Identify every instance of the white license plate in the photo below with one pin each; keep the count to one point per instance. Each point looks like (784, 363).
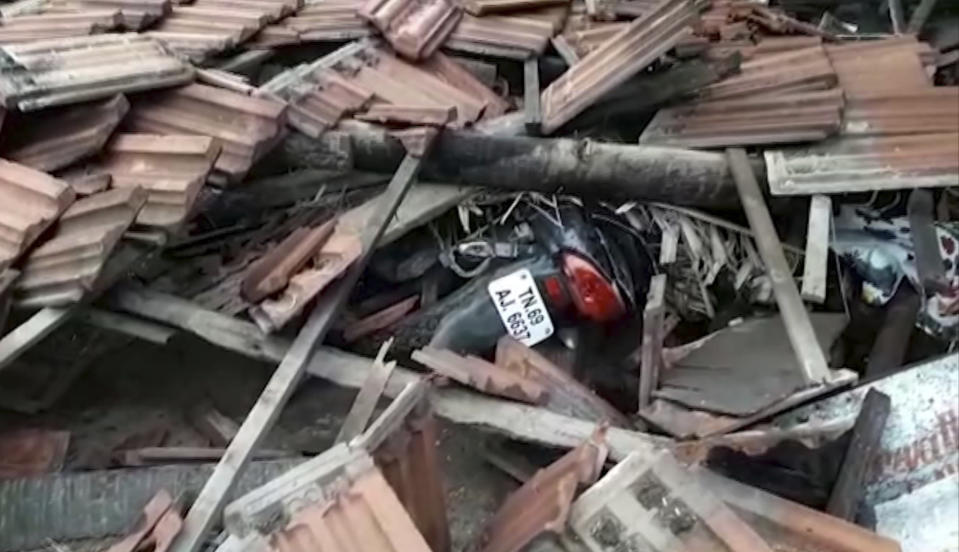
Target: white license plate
(521, 307)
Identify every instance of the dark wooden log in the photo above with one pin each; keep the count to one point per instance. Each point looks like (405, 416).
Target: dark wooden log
(866, 435)
(590, 169)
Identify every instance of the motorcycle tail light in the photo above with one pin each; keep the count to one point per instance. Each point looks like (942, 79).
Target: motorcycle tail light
(558, 298)
(595, 297)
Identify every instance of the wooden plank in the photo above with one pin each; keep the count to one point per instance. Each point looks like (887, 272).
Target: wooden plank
(130, 325)
(817, 249)
(862, 452)
(897, 16)
(801, 334)
(362, 409)
(522, 422)
(7, 277)
(651, 356)
(565, 50)
(533, 112)
(210, 502)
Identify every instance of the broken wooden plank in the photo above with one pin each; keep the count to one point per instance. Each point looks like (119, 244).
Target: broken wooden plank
(812, 362)
(215, 426)
(208, 505)
(130, 325)
(379, 320)
(362, 409)
(271, 272)
(817, 249)
(651, 357)
(517, 421)
(925, 244)
(152, 513)
(860, 456)
(532, 109)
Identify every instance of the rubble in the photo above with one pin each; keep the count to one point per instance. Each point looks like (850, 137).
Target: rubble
(540, 216)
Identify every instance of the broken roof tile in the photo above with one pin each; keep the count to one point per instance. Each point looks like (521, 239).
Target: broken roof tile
(86, 180)
(542, 504)
(324, 91)
(566, 395)
(806, 69)
(134, 14)
(771, 119)
(71, 70)
(486, 7)
(333, 259)
(247, 127)
(615, 61)
(206, 27)
(55, 138)
(516, 35)
(654, 504)
(930, 110)
(30, 201)
(365, 516)
(30, 28)
(330, 20)
(871, 67)
(271, 272)
(415, 28)
(64, 268)
(32, 452)
(379, 320)
(479, 374)
(860, 164)
(410, 463)
(408, 114)
(172, 169)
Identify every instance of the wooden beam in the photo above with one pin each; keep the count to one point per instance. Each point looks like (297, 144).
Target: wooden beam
(651, 356)
(815, 266)
(862, 451)
(130, 325)
(919, 16)
(365, 403)
(258, 422)
(798, 327)
(516, 421)
(531, 96)
(896, 16)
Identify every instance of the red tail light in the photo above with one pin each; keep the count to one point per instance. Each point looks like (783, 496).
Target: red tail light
(595, 297)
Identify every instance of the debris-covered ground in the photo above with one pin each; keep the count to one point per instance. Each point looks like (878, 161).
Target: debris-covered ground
(479, 276)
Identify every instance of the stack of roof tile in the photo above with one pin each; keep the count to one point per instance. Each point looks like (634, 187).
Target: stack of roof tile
(615, 61)
(134, 14)
(318, 21)
(323, 92)
(29, 202)
(52, 139)
(898, 130)
(246, 127)
(29, 28)
(70, 70)
(516, 35)
(206, 27)
(65, 267)
(584, 34)
(172, 169)
(486, 7)
(776, 98)
(415, 28)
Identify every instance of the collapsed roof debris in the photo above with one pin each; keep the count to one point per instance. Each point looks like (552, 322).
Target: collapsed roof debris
(660, 241)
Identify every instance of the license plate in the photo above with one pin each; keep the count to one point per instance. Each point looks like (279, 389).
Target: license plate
(521, 307)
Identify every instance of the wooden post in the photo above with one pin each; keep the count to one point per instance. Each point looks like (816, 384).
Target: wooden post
(897, 17)
(531, 96)
(258, 422)
(863, 448)
(652, 349)
(919, 16)
(925, 244)
(801, 334)
(817, 249)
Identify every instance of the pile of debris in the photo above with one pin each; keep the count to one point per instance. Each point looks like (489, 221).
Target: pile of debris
(709, 248)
